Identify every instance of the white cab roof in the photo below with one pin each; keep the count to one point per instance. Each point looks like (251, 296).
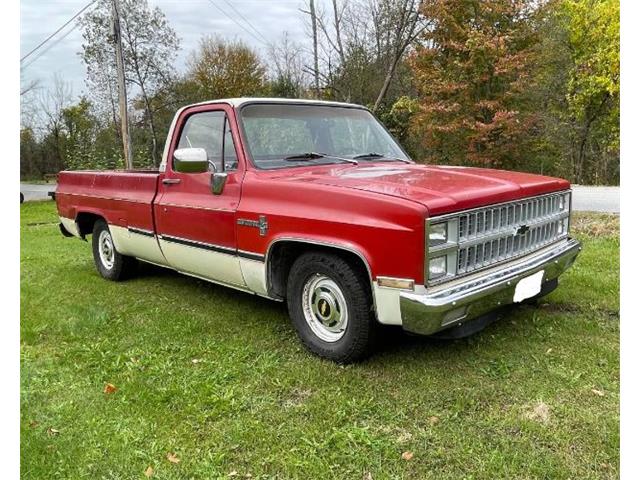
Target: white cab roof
(238, 102)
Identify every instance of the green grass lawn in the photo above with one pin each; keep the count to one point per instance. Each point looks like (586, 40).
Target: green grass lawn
(218, 379)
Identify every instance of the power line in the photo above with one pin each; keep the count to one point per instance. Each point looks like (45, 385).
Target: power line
(237, 23)
(246, 21)
(40, 54)
(59, 29)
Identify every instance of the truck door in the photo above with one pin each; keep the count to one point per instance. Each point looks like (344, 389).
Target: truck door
(196, 228)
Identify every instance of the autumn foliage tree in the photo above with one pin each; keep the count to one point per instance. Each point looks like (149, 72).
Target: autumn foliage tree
(593, 89)
(471, 71)
(220, 69)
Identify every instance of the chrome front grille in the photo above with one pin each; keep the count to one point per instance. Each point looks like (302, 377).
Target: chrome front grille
(493, 219)
(485, 237)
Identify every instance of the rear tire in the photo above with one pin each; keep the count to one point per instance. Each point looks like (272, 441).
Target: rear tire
(330, 307)
(109, 263)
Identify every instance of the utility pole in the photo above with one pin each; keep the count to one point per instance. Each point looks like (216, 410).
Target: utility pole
(122, 89)
(314, 29)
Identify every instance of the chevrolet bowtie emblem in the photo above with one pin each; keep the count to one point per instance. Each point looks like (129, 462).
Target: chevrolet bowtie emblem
(521, 230)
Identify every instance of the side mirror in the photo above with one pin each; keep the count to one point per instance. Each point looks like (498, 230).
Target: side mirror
(190, 160)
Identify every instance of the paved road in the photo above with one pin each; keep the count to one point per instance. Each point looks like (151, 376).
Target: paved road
(36, 192)
(596, 199)
(585, 199)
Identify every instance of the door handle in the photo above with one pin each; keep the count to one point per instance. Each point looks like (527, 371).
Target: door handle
(170, 181)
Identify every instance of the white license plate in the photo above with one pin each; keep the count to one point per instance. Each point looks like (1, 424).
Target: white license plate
(528, 287)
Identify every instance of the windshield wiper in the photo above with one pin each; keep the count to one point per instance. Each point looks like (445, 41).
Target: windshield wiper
(315, 155)
(379, 155)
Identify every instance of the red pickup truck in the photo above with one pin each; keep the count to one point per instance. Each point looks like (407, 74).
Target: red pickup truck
(314, 203)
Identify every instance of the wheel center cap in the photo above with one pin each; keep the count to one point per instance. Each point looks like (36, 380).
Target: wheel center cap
(324, 308)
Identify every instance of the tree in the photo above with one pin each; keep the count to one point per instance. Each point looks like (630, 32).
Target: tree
(472, 71)
(401, 22)
(220, 69)
(575, 91)
(362, 47)
(80, 129)
(593, 90)
(28, 87)
(53, 102)
(150, 47)
(29, 154)
(287, 68)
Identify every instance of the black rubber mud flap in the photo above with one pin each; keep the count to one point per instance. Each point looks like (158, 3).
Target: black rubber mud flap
(64, 231)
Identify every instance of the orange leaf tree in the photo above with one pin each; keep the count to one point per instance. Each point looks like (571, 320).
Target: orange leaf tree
(471, 71)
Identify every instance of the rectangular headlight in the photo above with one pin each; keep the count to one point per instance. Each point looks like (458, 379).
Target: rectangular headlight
(437, 234)
(437, 267)
(565, 201)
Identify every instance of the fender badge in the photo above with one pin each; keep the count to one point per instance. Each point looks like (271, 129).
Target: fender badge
(260, 224)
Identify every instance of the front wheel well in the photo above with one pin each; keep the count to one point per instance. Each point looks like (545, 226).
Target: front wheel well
(282, 254)
(85, 222)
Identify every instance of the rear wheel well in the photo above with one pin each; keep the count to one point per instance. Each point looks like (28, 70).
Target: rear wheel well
(86, 221)
(282, 255)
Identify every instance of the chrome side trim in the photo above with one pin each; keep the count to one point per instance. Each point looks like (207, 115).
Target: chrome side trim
(196, 207)
(321, 243)
(103, 197)
(197, 244)
(141, 231)
(251, 255)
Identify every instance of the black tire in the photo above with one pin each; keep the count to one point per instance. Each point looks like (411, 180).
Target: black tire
(21, 197)
(121, 267)
(359, 335)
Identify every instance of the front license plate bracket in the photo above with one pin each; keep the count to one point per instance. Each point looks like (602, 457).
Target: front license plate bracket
(528, 287)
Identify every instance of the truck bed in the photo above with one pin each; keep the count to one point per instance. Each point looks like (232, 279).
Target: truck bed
(123, 197)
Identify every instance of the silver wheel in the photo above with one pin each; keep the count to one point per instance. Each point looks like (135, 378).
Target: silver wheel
(325, 308)
(106, 250)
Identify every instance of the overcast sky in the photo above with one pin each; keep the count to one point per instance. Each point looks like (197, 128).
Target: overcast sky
(190, 19)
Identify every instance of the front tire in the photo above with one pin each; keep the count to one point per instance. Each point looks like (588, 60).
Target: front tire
(330, 304)
(109, 263)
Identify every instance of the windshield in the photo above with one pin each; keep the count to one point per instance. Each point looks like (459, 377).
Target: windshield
(284, 135)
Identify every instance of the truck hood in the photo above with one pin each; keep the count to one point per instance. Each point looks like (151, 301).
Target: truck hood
(442, 189)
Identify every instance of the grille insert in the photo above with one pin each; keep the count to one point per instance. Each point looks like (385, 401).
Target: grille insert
(485, 237)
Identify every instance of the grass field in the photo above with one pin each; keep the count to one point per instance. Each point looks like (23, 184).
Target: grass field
(213, 383)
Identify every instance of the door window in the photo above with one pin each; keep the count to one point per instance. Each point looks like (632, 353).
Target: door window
(211, 131)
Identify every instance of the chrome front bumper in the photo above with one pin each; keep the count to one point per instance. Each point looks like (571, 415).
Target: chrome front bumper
(452, 305)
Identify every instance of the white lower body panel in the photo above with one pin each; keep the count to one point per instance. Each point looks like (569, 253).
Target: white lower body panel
(144, 247)
(216, 266)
